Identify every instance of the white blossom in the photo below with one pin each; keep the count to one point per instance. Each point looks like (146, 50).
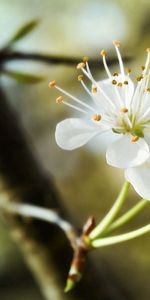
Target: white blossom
(116, 106)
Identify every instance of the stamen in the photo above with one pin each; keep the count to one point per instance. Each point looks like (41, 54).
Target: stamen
(126, 82)
(147, 61)
(147, 80)
(86, 88)
(114, 82)
(80, 77)
(89, 75)
(128, 70)
(104, 54)
(81, 65)
(75, 107)
(134, 138)
(128, 120)
(143, 116)
(89, 71)
(117, 45)
(94, 89)
(85, 59)
(142, 68)
(59, 99)
(96, 117)
(74, 98)
(137, 96)
(52, 84)
(139, 78)
(145, 105)
(118, 94)
(124, 110)
(115, 74)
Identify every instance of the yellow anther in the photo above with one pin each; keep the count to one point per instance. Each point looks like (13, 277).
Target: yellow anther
(124, 110)
(126, 82)
(96, 117)
(148, 49)
(134, 138)
(85, 59)
(81, 65)
(128, 70)
(148, 90)
(94, 89)
(138, 78)
(59, 99)
(115, 74)
(52, 83)
(80, 77)
(117, 43)
(114, 82)
(119, 84)
(103, 53)
(143, 68)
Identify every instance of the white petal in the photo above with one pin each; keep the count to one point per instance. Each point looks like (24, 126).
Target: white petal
(125, 92)
(73, 133)
(147, 136)
(126, 154)
(139, 177)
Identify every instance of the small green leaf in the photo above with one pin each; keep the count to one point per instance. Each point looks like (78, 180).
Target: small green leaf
(24, 77)
(24, 30)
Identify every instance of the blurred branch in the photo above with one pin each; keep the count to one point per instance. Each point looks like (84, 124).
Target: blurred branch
(8, 55)
(45, 247)
(40, 213)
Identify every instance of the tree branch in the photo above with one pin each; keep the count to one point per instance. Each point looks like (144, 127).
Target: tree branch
(44, 246)
(9, 55)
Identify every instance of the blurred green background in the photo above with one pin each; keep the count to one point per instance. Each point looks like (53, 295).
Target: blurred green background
(88, 186)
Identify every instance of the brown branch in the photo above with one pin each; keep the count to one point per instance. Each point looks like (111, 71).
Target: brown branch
(8, 55)
(44, 246)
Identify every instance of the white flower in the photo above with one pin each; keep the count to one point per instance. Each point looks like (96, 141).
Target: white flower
(116, 106)
(139, 176)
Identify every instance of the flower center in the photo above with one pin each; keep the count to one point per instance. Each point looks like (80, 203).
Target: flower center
(127, 124)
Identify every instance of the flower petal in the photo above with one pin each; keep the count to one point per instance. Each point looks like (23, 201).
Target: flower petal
(147, 136)
(139, 177)
(125, 92)
(73, 133)
(126, 154)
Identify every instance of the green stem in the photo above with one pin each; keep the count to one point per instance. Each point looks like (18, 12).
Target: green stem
(111, 214)
(120, 238)
(127, 216)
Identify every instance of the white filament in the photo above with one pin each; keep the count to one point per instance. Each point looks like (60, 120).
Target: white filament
(74, 98)
(120, 61)
(75, 107)
(106, 67)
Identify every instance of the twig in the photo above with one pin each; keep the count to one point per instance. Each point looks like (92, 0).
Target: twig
(44, 246)
(43, 214)
(52, 59)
